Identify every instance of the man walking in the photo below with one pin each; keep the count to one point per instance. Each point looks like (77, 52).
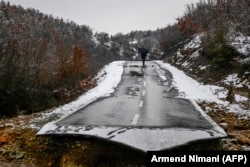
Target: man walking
(143, 51)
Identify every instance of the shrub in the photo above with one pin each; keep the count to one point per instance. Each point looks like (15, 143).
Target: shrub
(217, 51)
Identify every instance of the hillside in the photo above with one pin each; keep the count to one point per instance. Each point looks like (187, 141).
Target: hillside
(213, 47)
(233, 112)
(190, 57)
(46, 61)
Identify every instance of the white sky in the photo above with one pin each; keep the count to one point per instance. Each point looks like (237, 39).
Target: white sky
(113, 16)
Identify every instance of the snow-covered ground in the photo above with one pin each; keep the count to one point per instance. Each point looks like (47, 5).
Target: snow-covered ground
(213, 93)
(195, 42)
(236, 81)
(242, 44)
(194, 90)
(110, 76)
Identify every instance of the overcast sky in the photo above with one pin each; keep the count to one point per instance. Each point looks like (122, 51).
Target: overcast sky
(113, 16)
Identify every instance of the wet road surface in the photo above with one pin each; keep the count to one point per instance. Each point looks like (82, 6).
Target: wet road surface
(144, 112)
(142, 99)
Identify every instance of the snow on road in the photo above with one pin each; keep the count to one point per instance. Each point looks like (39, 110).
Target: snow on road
(110, 76)
(191, 89)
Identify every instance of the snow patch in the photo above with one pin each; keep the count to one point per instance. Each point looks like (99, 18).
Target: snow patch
(191, 89)
(195, 42)
(236, 81)
(242, 44)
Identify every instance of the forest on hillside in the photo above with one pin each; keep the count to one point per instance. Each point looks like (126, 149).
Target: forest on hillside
(45, 61)
(220, 22)
(209, 16)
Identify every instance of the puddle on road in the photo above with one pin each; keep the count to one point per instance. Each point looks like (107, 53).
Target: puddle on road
(133, 90)
(136, 74)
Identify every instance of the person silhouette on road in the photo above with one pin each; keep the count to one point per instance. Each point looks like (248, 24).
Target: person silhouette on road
(143, 51)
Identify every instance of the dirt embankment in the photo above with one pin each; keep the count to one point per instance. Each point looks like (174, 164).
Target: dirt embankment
(21, 147)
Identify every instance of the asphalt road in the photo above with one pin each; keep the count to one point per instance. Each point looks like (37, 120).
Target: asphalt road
(144, 113)
(143, 100)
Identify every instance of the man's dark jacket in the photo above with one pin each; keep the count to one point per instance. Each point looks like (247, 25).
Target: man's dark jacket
(143, 51)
